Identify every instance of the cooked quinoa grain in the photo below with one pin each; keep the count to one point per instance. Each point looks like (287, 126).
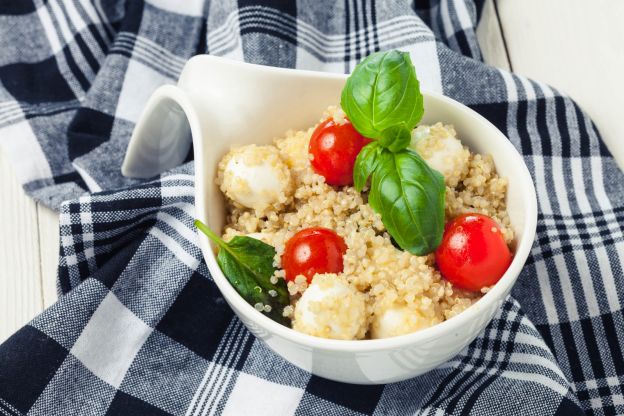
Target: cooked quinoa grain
(382, 291)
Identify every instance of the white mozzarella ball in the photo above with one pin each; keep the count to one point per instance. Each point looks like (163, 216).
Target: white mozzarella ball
(331, 308)
(255, 177)
(442, 151)
(397, 320)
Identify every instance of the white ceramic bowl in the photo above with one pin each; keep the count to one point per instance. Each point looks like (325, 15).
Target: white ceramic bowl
(220, 103)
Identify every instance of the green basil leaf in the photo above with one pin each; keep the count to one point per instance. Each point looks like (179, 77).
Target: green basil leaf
(383, 93)
(247, 263)
(396, 138)
(365, 164)
(409, 196)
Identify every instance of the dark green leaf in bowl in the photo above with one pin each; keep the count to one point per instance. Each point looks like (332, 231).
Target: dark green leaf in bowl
(247, 263)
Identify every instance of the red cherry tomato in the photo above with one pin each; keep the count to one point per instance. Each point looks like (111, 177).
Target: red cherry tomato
(334, 148)
(473, 253)
(311, 251)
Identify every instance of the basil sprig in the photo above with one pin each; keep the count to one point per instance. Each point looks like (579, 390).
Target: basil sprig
(382, 98)
(247, 263)
(383, 102)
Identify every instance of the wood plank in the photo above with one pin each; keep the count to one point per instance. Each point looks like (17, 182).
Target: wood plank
(49, 251)
(21, 293)
(576, 47)
(491, 39)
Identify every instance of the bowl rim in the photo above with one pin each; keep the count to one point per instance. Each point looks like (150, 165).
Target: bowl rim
(495, 294)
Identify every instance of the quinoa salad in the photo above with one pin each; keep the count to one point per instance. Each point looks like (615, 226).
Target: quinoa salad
(339, 264)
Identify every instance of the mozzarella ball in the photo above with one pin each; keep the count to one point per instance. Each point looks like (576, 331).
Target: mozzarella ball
(398, 320)
(440, 148)
(331, 308)
(255, 177)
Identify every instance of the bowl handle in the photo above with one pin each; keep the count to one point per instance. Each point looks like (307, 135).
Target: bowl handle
(161, 139)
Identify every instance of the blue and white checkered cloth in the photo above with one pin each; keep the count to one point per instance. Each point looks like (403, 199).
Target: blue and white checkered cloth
(140, 327)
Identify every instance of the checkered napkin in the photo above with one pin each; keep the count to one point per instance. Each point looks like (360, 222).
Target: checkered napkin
(140, 327)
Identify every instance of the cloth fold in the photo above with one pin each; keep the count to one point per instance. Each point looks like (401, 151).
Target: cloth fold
(140, 328)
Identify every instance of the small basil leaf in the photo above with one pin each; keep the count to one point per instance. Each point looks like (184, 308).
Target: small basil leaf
(396, 138)
(409, 196)
(365, 164)
(247, 263)
(383, 92)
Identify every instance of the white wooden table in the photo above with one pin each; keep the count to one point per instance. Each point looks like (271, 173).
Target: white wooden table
(570, 44)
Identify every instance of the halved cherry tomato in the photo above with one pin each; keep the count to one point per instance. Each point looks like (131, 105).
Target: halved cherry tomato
(334, 148)
(312, 251)
(473, 253)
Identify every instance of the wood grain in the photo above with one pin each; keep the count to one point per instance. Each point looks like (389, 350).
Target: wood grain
(490, 37)
(49, 252)
(577, 47)
(21, 292)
